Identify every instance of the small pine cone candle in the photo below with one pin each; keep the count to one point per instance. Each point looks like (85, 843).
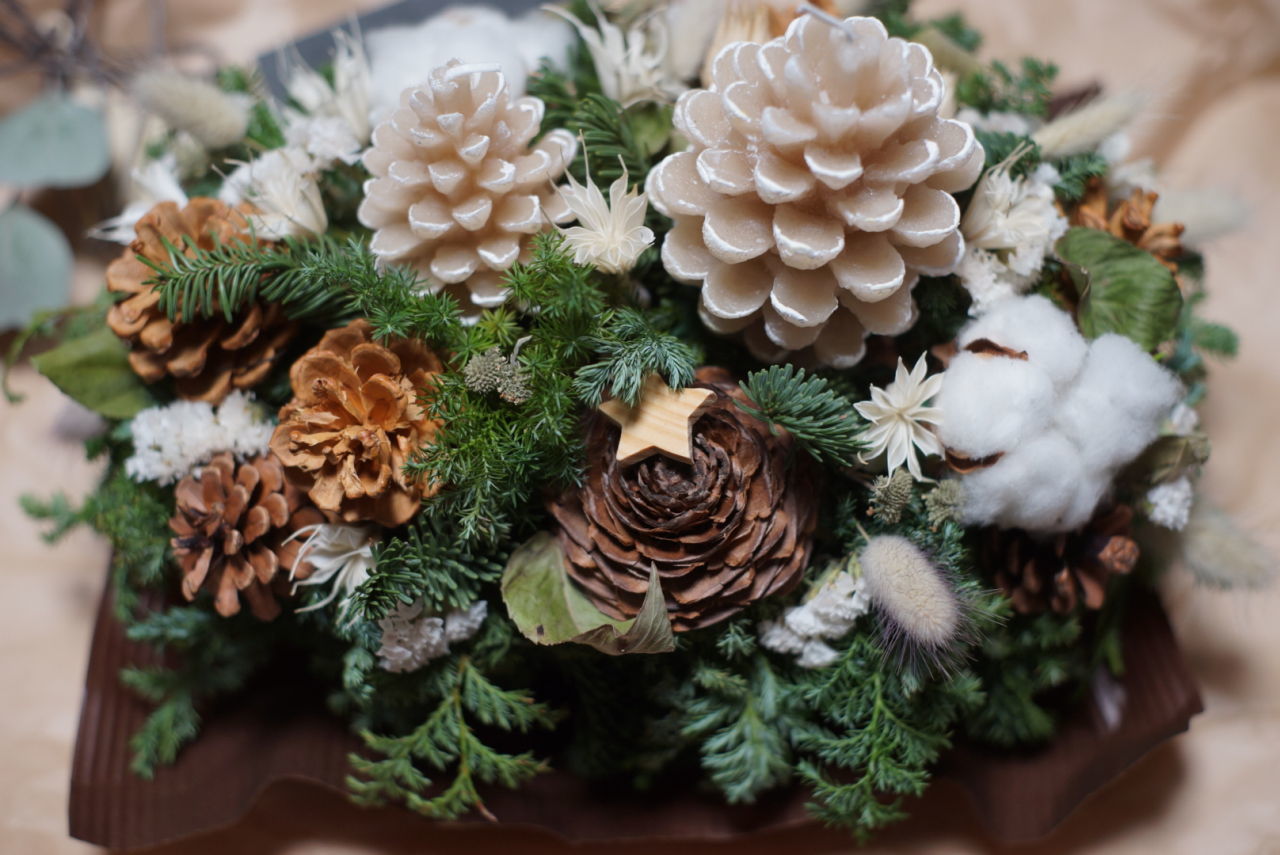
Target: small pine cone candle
(723, 532)
(457, 190)
(354, 421)
(816, 188)
(207, 357)
(230, 528)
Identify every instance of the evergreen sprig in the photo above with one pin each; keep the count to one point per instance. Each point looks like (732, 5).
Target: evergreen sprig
(1000, 88)
(822, 421)
(1075, 173)
(629, 349)
(311, 279)
(448, 738)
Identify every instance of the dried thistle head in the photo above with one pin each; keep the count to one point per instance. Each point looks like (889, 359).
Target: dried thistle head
(943, 503)
(890, 495)
(485, 371)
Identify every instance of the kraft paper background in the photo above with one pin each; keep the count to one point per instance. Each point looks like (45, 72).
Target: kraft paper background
(1213, 69)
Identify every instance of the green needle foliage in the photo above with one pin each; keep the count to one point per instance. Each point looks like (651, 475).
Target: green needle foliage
(1001, 88)
(448, 739)
(822, 421)
(631, 349)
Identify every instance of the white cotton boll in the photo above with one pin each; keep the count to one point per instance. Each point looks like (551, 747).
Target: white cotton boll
(1033, 486)
(1037, 327)
(817, 654)
(462, 624)
(991, 404)
(1118, 402)
(775, 635)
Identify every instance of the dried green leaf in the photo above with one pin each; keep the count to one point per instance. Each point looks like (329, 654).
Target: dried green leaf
(94, 370)
(35, 266)
(53, 142)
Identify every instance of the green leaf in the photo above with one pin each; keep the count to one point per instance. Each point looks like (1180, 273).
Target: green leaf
(35, 265)
(53, 142)
(1122, 288)
(1169, 457)
(94, 370)
(549, 609)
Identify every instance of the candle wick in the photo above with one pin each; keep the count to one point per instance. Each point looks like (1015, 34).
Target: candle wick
(826, 18)
(471, 68)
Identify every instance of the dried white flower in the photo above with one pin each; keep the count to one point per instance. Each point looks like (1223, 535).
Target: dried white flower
(411, 639)
(632, 64)
(996, 121)
(1170, 504)
(333, 123)
(1009, 227)
(1183, 419)
(829, 613)
(170, 441)
(155, 182)
(326, 138)
(1086, 128)
(338, 554)
(610, 235)
(899, 418)
(282, 186)
(216, 119)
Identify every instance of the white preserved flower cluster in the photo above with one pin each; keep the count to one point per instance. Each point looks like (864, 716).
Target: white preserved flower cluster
(828, 614)
(172, 440)
(283, 187)
(1170, 504)
(1046, 418)
(411, 639)
(632, 64)
(156, 182)
(341, 555)
(334, 120)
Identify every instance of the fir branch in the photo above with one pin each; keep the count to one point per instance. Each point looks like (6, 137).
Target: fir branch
(428, 563)
(448, 739)
(1002, 89)
(631, 349)
(1075, 173)
(311, 279)
(822, 422)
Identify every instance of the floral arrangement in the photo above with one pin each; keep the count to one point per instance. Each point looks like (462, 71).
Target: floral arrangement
(775, 394)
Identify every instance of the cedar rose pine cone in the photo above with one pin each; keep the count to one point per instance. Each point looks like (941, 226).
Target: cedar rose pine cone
(815, 189)
(724, 532)
(230, 526)
(353, 422)
(207, 357)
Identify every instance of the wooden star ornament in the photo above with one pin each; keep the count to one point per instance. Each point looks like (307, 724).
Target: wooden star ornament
(662, 423)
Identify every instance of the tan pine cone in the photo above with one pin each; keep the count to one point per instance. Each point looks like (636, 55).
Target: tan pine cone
(230, 525)
(815, 189)
(724, 532)
(1130, 220)
(207, 357)
(354, 421)
(1065, 570)
(457, 189)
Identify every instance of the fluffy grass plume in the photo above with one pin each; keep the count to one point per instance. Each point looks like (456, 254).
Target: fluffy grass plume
(924, 618)
(1084, 129)
(215, 118)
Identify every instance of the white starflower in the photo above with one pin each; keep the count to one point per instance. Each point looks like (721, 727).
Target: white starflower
(282, 186)
(610, 235)
(338, 554)
(153, 183)
(1170, 504)
(632, 65)
(899, 418)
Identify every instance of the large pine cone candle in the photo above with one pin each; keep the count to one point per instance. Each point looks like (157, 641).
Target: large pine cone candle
(207, 357)
(816, 188)
(354, 421)
(229, 531)
(457, 189)
(731, 528)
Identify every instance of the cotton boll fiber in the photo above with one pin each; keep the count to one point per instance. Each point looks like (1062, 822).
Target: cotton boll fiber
(1032, 325)
(1035, 487)
(992, 403)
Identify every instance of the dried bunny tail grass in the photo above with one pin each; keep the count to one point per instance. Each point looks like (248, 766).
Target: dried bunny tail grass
(216, 119)
(1084, 129)
(1204, 214)
(926, 620)
(1219, 554)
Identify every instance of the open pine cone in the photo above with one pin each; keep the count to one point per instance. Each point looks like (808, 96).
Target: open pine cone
(353, 422)
(816, 188)
(1130, 220)
(207, 357)
(456, 189)
(724, 532)
(230, 526)
(1064, 570)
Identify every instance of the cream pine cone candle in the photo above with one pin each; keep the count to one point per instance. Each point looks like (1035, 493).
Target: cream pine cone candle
(457, 190)
(816, 188)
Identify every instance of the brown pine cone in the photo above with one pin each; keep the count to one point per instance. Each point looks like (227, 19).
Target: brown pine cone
(354, 420)
(1065, 570)
(230, 525)
(207, 357)
(1130, 220)
(724, 532)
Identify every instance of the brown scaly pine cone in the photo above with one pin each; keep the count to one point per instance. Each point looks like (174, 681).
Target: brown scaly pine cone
(230, 528)
(724, 532)
(1062, 571)
(354, 421)
(1130, 221)
(207, 357)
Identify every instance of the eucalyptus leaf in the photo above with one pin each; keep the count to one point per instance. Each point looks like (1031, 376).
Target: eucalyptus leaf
(35, 266)
(94, 370)
(1123, 289)
(548, 608)
(53, 142)
(1170, 457)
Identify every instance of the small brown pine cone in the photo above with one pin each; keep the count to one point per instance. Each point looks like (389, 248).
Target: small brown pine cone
(354, 421)
(724, 532)
(230, 526)
(1064, 571)
(207, 357)
(1130, 220)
